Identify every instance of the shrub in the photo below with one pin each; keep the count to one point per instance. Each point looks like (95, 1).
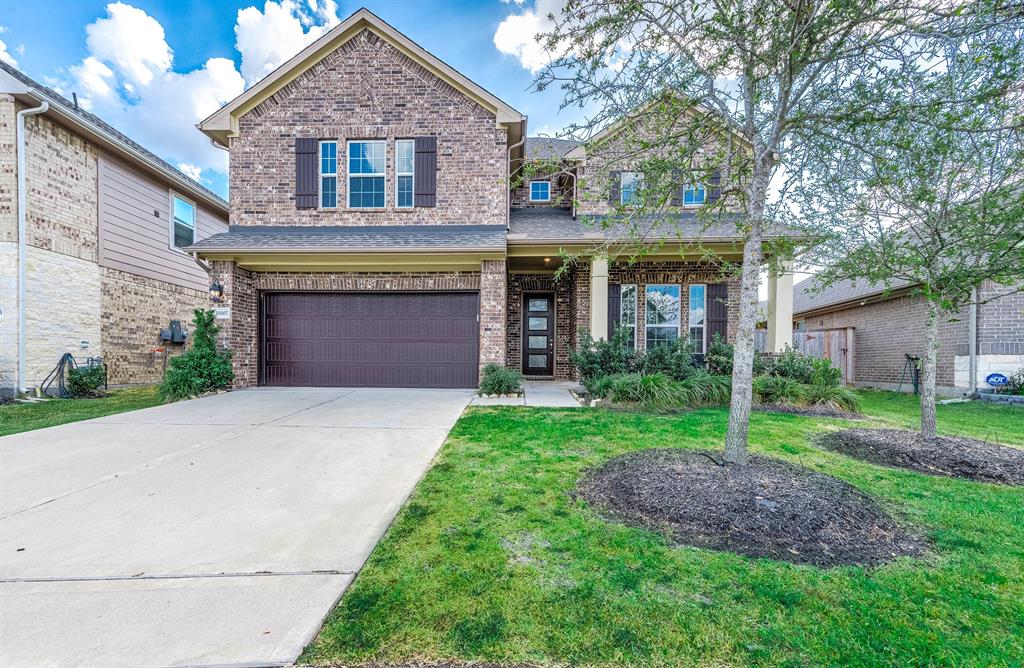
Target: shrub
(824, 373)
(778, 390)
(84, 381)
(706, 388)
(202, 367)
(791, 364)
(674, 360)
(1015, 382)
(594, 359)
(601, 387)
(835, 397)
(719, 356)
(500, 380)
(655, 391)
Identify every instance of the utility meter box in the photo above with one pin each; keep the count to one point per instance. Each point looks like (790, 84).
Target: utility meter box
(174, 334)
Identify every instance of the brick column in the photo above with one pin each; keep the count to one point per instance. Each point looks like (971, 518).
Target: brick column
(493, 310)
(599, 298)
(581, 295)
(780, 310)
(239, 331)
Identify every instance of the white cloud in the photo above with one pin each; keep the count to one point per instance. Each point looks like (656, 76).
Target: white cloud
(517, 34)
(5, 55)
(132, 40)
(191, 171)
(268, 38)
(94, 77)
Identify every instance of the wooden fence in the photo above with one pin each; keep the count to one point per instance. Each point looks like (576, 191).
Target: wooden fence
(833, 344)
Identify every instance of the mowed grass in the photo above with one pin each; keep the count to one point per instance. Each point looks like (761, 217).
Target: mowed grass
(492, 559)
(15, 418)
(976, 419)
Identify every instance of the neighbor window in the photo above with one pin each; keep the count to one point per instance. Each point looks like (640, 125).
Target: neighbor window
(540, 191)
(661, 314)
(629, 183)
(693, 195)
(405, 157)
(328, 174)
(627, 312)
(366, 174)
(698, 304)
(183, 232)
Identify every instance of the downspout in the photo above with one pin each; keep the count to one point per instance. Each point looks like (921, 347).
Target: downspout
(508, 175)
(972, 343)
(22, 231)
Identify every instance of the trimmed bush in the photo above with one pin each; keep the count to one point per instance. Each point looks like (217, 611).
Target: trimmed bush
(85, 381)
(835, 397)
(594, 359)
(778, 390)
(500, 380)
(202, 367)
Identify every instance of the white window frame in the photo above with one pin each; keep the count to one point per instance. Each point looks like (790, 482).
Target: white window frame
(636, 302)
(321, 174)
(398, 174)
(622, 186)
(679, 310)
(546, 199)
(349, 175)
(172, 195)
(695, 188)
(689, 315)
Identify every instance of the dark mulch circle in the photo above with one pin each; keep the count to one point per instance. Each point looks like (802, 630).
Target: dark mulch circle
(769, 508)
(809, 411)
(950, 456)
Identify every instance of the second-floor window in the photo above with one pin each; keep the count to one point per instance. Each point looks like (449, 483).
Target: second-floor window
(183, 230)
(693, 194)
(366, 174)
(629, 184)
(540, 191)
(328, 174)
(405, 157)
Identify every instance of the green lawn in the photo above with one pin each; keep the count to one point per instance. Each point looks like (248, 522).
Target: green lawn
(493, 560)
(16, 418)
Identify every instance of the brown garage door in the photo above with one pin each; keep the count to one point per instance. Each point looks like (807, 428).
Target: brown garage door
(393, 339)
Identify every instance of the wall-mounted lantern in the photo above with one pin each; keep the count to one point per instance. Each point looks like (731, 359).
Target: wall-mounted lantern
(216, 292)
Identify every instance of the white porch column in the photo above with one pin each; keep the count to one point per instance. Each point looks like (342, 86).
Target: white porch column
(780, 310)
(599, 298)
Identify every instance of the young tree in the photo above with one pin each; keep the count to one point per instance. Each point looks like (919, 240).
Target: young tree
(767, 78)
(933, 197)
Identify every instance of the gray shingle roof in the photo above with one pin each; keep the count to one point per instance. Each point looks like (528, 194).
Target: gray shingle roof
(551, 224)
(88, 117)
(804, 299)
(548, 148)
(366, 238)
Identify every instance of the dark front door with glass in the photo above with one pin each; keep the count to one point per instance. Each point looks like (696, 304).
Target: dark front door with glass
(538, 335)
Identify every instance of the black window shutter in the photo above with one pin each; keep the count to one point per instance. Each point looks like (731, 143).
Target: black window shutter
(715, 189)
(614, 308)
(425, 179)
(613, 195)
(677, 192)
(717, 311)
(305, 173)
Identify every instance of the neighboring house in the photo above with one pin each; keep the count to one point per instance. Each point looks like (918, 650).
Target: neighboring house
(375, 239)
(104, 268)
(886, 327)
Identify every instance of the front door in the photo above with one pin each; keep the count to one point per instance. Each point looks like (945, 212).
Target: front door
(538, 335)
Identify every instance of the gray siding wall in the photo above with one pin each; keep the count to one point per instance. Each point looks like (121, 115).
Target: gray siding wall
(134, 215)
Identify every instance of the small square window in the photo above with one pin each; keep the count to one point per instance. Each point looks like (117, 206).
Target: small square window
(693, 195)
(536, 324)
(540, 191)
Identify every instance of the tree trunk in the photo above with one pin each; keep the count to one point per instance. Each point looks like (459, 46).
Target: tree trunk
(743, 349)
(928, 372)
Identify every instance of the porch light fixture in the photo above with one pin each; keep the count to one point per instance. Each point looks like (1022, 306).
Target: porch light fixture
(216, 292)
(547, 259)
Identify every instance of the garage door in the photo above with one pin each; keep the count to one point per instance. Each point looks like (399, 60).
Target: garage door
(393, 339)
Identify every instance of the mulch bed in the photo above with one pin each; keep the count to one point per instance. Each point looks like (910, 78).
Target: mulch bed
(950, 456)
(809, 411)
(769, 508)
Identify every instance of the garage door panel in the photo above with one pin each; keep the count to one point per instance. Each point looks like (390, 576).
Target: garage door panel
(371, 339)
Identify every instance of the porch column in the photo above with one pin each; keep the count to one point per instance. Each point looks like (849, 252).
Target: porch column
(598, 298)
(780, 310)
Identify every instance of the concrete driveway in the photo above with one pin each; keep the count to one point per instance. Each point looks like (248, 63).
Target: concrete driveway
(215, 532)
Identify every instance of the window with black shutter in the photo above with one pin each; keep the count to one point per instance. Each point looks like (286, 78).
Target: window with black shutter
(305, 172)
(425, 166)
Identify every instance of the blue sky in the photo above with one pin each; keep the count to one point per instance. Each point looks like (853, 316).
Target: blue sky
(152, 68)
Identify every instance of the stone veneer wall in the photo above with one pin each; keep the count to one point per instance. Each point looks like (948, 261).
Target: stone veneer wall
(367, 89)
(678, 273)
(134, 309)
(565, 322)
(241, 294)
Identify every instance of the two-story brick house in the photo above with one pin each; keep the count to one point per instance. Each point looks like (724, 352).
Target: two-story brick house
(375, 239)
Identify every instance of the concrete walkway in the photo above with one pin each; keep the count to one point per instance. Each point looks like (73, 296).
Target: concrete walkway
(213, 532)
(545, 393)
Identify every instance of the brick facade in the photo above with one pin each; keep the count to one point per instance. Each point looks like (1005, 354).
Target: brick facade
(367, 89)
(493, 312)
(561, 191)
